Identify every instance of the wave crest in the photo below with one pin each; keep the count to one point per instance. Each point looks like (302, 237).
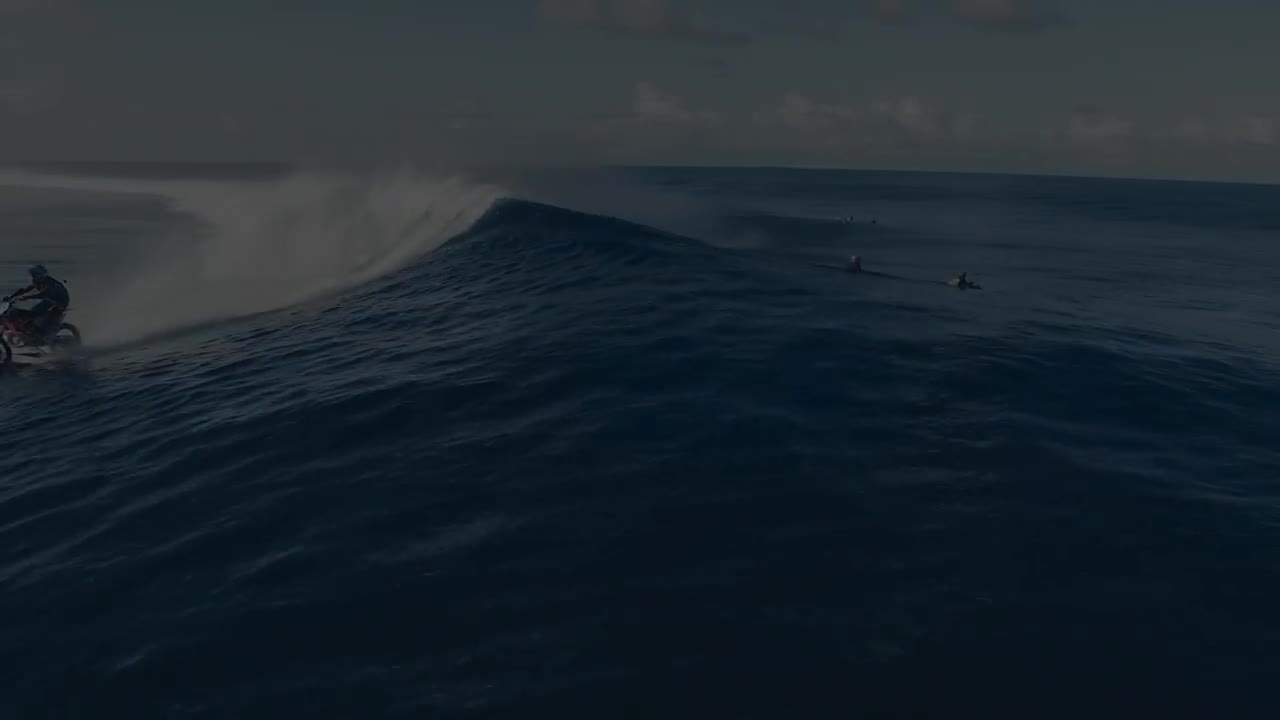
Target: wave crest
(251, 247)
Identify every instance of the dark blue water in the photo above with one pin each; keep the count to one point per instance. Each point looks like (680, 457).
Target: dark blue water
(409, 449)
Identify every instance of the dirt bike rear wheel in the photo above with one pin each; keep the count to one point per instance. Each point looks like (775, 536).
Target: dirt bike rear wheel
(71, 341)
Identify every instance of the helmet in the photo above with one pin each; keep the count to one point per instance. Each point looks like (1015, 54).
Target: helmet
(38, 272)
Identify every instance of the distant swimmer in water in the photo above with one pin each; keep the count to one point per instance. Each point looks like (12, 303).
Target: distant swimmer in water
(962, 281)
(855, 264)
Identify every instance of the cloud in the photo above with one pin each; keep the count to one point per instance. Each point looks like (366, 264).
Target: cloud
(653, 105)
(909, 131)
(1239, 145)
(1012, 16)
(12, 8)
(658, 126)
(1004, 15)
(1259, 130)
(19, 6)
(896, 122)
(639, 17)
(33, 34)
(891, 12)
(1256, 130)
(1090, 125)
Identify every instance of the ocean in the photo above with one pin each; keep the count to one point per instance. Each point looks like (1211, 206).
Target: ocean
(628, 443)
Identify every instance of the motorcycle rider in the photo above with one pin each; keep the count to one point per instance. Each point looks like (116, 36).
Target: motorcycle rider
(54, 300)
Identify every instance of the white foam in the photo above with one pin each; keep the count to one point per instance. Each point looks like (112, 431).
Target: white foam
(267, 245)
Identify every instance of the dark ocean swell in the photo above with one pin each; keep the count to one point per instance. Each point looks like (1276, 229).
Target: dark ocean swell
(559, 464)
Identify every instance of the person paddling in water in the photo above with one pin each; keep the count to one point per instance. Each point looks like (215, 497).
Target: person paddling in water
(962, 281)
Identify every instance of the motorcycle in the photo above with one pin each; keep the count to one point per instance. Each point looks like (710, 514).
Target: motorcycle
(16, 331)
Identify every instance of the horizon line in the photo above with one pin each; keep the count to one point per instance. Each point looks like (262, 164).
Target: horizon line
(292, 166)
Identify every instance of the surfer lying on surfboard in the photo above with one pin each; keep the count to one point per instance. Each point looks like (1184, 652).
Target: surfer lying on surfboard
(963, 283)
(854, 265)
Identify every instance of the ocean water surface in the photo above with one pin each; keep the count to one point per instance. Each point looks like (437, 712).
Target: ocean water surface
(629, 443)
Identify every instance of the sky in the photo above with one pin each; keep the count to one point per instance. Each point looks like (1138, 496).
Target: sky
(1143, 88)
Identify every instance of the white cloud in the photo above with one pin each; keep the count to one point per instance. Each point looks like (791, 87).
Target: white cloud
(1095, 128)
(571, 12)
(891, 11)
(804, 114)
(913, 131)
(642, 17)
(1259, 130)
(32, 33)
(1248, 129)
(652, 104)
(1003, 15)
(909, 115)
(997, 15)
(887, 122)
(19, 6)
(30, 8)
(657, 125)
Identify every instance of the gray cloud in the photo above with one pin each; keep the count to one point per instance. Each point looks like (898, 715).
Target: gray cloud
(10, 9)
(19, 6)
(1013, 16)
(1257, 130)
(903, 129)
(652, 104)
(642, 17)
(892, 12)
(1004, 15)
(1090, 125)
(32, 34)
(908, 131)
(659, 126)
